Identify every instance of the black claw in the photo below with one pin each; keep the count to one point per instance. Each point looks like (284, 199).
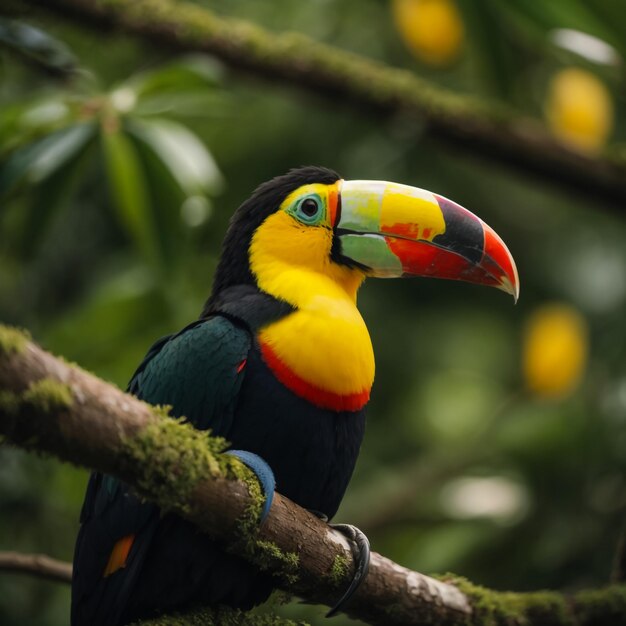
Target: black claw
(361, 554)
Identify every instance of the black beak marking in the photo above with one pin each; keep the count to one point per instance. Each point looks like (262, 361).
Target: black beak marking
(464, 233)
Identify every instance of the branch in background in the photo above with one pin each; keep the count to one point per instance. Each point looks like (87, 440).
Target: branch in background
(48, 405)
(475, 126)
(43, 566)
(38, 565)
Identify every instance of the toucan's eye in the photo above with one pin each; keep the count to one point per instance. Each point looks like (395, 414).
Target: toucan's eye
(309, 209)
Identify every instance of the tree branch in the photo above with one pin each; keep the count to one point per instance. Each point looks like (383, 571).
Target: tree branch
(42, 566)
(218, 616)
(38, 565)
(474, 126)
(50, 406)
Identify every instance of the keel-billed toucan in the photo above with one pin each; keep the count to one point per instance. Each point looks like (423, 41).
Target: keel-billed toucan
(279, 363)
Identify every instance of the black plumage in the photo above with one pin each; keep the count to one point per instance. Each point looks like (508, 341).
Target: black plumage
(234, 268)
(198, 371)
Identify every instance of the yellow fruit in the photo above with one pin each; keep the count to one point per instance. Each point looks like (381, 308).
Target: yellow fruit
(579, 109)
(432, 29)
(555, 350)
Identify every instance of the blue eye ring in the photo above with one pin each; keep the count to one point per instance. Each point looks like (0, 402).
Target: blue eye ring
(309, 209)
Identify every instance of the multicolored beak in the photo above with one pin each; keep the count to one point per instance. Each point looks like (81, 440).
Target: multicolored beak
(395, 230)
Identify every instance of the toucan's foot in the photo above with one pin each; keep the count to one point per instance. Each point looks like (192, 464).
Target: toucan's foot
(360, 546)
(264, 474)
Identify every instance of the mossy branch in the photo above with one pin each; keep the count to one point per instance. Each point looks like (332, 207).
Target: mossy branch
(222, 616)
(475, 126)
(53, 407)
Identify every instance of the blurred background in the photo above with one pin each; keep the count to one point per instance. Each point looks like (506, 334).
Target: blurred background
(496, 441)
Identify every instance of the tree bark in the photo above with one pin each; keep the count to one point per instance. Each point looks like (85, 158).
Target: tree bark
(51, 406)
(477, 127)
(38, 565)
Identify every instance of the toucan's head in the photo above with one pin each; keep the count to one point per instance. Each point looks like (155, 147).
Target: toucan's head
(349, 230)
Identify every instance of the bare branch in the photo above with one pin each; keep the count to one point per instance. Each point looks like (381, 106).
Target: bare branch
(48, 405)
(42, 566)
(38, 565)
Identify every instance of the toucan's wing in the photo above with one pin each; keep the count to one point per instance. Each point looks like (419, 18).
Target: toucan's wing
(198, 372)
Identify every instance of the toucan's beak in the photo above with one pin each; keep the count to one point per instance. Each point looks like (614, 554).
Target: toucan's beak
(396, 230)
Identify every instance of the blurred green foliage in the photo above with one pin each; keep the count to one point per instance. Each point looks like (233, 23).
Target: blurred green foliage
(112, 209)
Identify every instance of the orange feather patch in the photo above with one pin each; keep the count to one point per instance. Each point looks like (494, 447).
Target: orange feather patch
(119, 555)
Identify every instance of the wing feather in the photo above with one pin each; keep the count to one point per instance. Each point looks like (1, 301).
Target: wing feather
(198, 373)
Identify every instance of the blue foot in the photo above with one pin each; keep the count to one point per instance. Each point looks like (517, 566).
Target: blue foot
(263, 472)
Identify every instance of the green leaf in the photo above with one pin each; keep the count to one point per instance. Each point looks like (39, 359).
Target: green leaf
(189, 74)
(187, 87)
(191, 103)
(166, 199)
(50, 198)
(185, 156)
(33, 163)
(175, 88)
(28, 120)
(38, 46)
(129, 193)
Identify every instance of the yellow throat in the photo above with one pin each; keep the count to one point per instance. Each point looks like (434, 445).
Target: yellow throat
(324, 343)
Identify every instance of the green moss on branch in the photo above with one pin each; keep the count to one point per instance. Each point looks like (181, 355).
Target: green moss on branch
(475, 125)
(492, 608)
(248, 523)
(339, 570)
(12, 340)
(9, 402)
(48, 396)
(221, 616)
(173, 457)
(45, 396)
(598, 607)
(268, 556)
(601, 607)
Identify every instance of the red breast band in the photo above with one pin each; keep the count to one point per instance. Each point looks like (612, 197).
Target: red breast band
(315, 395)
